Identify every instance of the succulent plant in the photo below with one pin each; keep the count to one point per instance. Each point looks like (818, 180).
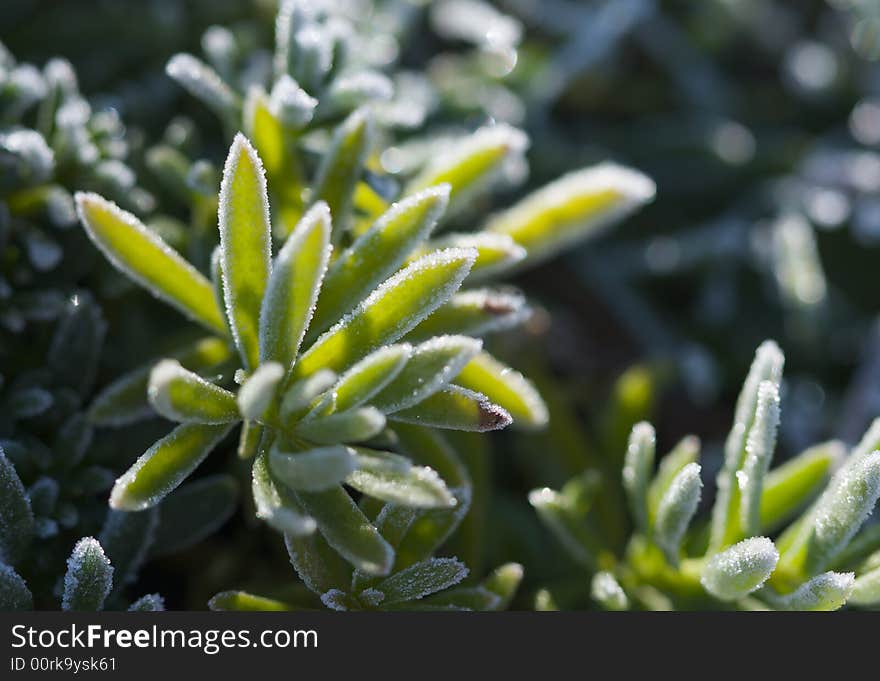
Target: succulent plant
(822, 497)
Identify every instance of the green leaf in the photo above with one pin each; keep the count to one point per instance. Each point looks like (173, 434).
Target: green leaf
(125, 399)
(256, 396)
(186, 397)
(276, 505)
(790, 486)
(767, 366)
(355, 425)
(394, 479)
(463, 598)
(366, 378)
(165, 465)
(685, 452)
(341, 168)
(505, 387)
(824, 592)
(470, 164)
(141, 255)
(676, 509)
(249, 440)
(741, 569)
(572, 208)
(456, 408)
(606, 590)
(760, 445)
(14, 593)
(193, 512)
(293, 287)
(319, 567)
(203, 83)
(432, 366)
(843, 508)
(866, 589)
(637, 469)
(313, 470)
(377, 253)
(126, 538)
(242, 601)
(422, 579)
(88, 579)
(475, 313)
(504, 581)
(302, 393)
(388, 313)
(496, 253)
(245, 243)
(568, 524)
(16, 516)
(348, 530)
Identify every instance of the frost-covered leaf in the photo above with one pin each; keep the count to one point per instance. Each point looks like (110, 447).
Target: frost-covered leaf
(504, 581)
(568, 523)
(456, 408)
(377, 253)
(126, 538)
(505, 387)
(193, 512)
(469, 164)
(88, 579)
(432, 365)
(686, 451)
(348, 530)
(475, 313)
(760, 445)
(741, 569)
(573, 208)
(463, 598)
(183, 396)
(637, 468)
(366, 378)
(319, 567)
(245, 245)
(313, 470)
(242, 601)
(843, 508)
(676, 509)
(165, 465)
(827, 591)
(16, 516)
(258, 393)
(388, 313)
(14, 593)
(496, 253)
(125, 399)
(140, 254)
(203, 83)
(394, 479)
(606, 590)
(422, 579)
(275, 504)
(341, 167)
(300, 395)
(866, 589)
(790, 486)
(292, 105)
(354, 425)
(293, 287)
(767, 366)
(148, 603)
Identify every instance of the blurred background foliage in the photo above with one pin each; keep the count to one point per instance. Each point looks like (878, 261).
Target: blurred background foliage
(760, 122)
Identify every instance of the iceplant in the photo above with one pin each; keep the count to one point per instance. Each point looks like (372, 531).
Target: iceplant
(822, 497)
